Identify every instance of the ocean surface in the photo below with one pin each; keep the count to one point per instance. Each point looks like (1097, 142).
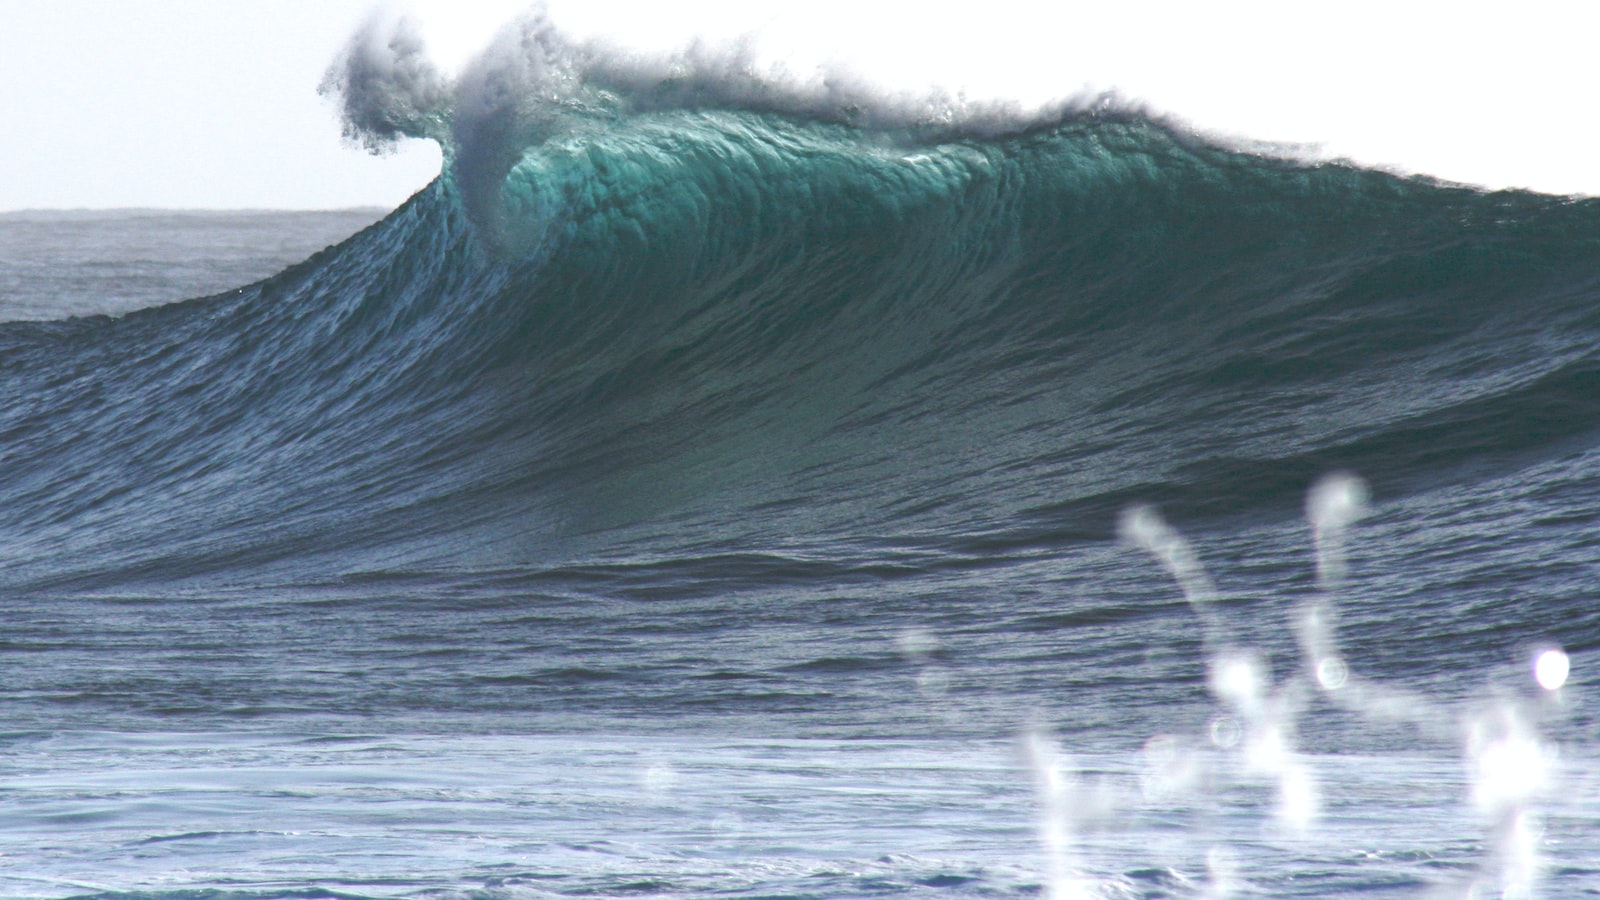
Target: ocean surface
(60, 263)
(700, 491)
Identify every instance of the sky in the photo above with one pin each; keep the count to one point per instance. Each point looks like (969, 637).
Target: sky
(207, 104)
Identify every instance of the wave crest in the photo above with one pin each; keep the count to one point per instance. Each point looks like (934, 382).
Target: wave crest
(534, 82)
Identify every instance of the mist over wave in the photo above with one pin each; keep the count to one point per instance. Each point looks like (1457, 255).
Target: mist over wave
(534, 83)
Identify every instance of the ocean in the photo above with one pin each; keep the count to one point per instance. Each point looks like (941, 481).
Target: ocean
(708, 491)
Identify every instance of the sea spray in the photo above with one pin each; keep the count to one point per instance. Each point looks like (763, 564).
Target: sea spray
(1509, 766)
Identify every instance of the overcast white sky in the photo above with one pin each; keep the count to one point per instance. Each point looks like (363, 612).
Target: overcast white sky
(204, 103)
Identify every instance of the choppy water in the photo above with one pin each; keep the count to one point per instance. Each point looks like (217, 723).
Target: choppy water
(695, 491)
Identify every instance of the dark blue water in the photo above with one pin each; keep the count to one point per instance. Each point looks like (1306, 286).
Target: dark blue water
(683, 497)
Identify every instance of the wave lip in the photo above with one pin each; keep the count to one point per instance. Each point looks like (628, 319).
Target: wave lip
(534, 82)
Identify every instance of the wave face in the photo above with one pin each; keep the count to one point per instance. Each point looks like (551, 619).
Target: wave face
(751, 331)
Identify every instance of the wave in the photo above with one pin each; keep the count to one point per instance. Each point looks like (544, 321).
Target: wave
(657, 308)
(534, 83)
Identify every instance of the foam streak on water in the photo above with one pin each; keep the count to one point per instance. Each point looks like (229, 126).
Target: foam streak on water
(392, 816)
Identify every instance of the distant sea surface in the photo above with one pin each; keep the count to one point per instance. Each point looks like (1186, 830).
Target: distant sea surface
(716, 501)
(56, 263)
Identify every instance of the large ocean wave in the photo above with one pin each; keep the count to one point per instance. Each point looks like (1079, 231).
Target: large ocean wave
(652, 305)
(782, 439)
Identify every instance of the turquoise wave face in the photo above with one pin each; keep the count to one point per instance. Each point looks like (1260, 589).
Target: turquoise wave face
(738, 327)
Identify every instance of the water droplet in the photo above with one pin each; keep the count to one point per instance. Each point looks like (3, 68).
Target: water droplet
(1550, 668)
(1336, 501)
(1224, 732)
(1332, 673)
